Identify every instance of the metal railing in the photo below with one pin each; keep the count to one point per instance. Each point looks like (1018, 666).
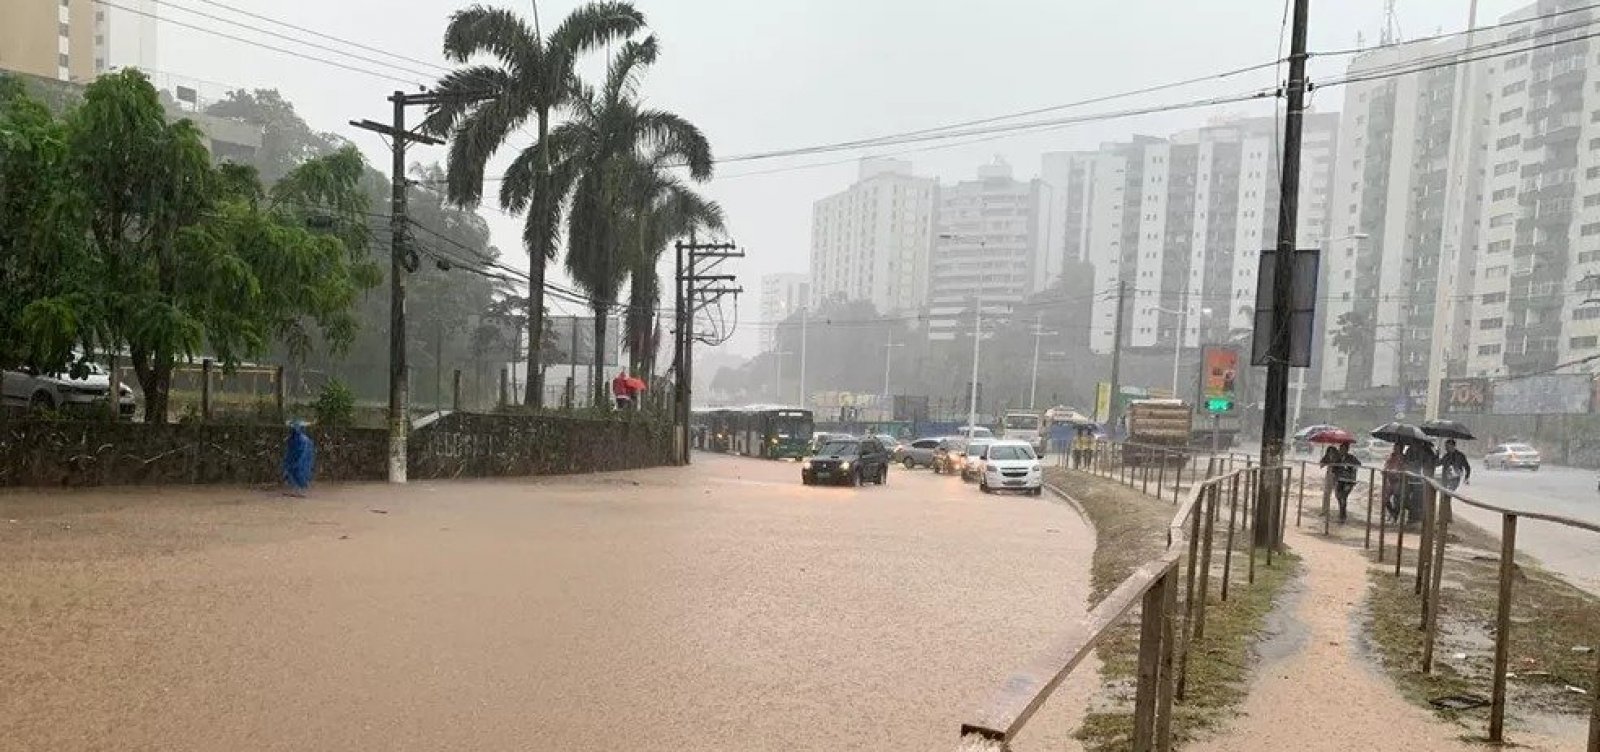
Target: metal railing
(1168, 629)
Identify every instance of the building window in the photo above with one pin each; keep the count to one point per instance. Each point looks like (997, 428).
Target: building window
(1505, 168)
(1593, 228)
(1508, 141)
(1589, 257)
(63, 30)
(1583, 343)
(1494, 297)
(1494, 323)
(1494, 272)
(1513, 88)
(1517, 62)
(1510, 115)
(1503, 194)
(1501, 220)
(1488, 349)
(1592, 199)
(1586, 314)
(63, 61)
(1499, 246)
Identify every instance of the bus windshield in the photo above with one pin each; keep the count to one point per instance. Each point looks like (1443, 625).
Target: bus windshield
(1022, 422)
(792, 424)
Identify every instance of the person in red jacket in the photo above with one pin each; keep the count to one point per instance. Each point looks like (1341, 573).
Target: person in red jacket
(620, 390)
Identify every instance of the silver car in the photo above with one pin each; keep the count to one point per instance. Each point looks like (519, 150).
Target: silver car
(1506, 456)
(916, 454)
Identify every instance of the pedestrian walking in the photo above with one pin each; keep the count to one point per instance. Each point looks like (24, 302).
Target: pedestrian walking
(621, 391)
(1393, 481)
(1454, 467)
(1421, 462)
(1342, 467)
(299, 460)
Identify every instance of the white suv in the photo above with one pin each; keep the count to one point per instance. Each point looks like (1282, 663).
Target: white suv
(62, 392)
(1011, 466)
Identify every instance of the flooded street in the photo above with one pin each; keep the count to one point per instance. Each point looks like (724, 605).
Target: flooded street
(722, 606)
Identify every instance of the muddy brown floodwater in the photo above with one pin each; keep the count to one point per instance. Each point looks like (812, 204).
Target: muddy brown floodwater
(718, 607)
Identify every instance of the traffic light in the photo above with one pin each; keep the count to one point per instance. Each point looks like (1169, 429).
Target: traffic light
(1219, 404)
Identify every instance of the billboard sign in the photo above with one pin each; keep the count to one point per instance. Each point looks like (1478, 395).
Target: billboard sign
(1102, 402)
(1302, 309)
(574, 337)
(1465, 396)
(1219, 378)
(1546, 394)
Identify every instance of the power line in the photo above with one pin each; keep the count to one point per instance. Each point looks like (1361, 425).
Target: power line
(253, 43)
(1406, 69)
(329, 37)
(1453, 34)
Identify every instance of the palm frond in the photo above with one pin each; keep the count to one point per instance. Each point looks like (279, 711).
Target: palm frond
(460, 92)
(669, 135)
(475, 140)
(622, 76)
(590, 27)
(496, 31)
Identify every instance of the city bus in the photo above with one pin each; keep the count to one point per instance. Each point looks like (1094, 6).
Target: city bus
(770, 431)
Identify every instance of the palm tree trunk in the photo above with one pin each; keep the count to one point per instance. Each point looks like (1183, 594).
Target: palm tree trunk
(598, 369)
(537, 258)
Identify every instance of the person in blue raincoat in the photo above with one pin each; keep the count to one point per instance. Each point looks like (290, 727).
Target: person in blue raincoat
(299, 459)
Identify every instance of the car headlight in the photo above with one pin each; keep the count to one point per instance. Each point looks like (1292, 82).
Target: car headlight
(124, 390)
(805, 464)
(844, 466)
(1035, 468)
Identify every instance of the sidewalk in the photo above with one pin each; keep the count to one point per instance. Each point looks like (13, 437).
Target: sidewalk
(1320, 695)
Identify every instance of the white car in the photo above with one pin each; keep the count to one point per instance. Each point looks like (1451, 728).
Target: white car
(1507, 456)
(1010, 466)
(972, 458)
(61, 392)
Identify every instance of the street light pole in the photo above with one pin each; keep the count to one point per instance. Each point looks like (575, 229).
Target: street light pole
(1038, 334)
(777, 357)
(1177, 342)
(977, 338)
(804, 314)
(888, 358)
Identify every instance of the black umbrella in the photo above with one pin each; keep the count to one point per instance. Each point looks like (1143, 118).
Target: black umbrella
(1447, 429)
(1400, 433)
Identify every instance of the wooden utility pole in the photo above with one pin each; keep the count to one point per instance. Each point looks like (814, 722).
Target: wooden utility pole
(1275, 407)
(689, 300)
(1116, 352)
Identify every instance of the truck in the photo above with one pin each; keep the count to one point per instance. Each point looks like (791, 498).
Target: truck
(1024, 425)
(1215, 431)
(1156, 426)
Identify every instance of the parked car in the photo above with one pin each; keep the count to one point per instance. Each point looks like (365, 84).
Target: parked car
(1506, 456)
(63, 393)
(972, 459)
(947, 455)
(822, 437)
(848, 462)
(1010, 466)
(1371, 451)
(974, 432)
(916, 454)
(890, 443)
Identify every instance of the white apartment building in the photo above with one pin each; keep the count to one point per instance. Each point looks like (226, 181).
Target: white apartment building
(781, 296)
(1182, 221)
(871, 241)
(1397, 215)
(993, 244)
(1541, 199)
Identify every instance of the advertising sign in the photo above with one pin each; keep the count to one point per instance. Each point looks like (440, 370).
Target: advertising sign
(1547, 394)
(1465, 396)
(1219, 376)
(1302, 309)
(1102, 402)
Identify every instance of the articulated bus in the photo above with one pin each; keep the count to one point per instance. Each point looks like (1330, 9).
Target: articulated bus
(770, 431)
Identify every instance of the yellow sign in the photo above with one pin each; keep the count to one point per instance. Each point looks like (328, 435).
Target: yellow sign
(1102, 402)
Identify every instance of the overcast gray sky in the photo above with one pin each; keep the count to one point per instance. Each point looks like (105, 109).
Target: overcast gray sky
(759, 76)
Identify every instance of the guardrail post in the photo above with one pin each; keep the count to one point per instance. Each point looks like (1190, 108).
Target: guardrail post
(1502, 630)
(1188, 597)
(1594, 710)
(1233, 518)
(206, 367)
(1283, 513)
(1209, 510)
(1169, 608)
(1145, 697)
(1425, 544)
(1400, 524)
(1383, 519)
(280, 393)
(1144, 477)
(1430, 624)
(1367, 543)
(1161, 474)
(1327, 496)
(455, 391)
(1300, 498)
(1252, 498)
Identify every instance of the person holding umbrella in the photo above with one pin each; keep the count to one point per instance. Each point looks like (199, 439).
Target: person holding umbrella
(1340, 464)
(1413, 452)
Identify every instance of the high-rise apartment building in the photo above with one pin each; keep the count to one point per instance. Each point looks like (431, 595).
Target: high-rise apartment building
(1183, 221)
(1539, 264)
(1403, 224)
(76, 40)
(993, 244)
(870, 242)
(782, 295)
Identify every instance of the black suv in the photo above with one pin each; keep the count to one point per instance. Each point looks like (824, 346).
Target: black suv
(847, 461)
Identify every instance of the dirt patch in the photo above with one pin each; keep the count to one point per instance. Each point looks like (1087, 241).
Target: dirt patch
(1131, 529)
(1554, 627)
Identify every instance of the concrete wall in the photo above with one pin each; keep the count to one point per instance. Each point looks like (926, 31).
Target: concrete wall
(94, 453)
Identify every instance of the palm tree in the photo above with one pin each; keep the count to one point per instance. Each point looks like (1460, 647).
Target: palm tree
(660, 209)
(599, 151)
(532, 78)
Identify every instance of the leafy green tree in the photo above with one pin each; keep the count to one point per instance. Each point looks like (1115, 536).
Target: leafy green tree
(599, 149)
(48, 278)
(196, 261)
(286, 139)
(531, 78)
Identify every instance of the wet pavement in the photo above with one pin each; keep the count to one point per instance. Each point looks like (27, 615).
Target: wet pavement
(718, 607)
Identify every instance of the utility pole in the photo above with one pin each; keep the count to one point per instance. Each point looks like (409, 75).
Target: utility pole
(777, 359)
(690, 299)
(977, 340)
(1278, 351)
(805, 313)
(1116, 350)
(888, 357)
(402, 261)
(1038, 334)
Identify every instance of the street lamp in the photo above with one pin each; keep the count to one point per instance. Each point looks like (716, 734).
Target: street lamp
(888, 357)
(977, 329)
(1177, 343)
(777, 358)
(1038, 334)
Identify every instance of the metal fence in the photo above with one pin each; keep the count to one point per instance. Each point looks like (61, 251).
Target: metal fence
(1204, 488)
